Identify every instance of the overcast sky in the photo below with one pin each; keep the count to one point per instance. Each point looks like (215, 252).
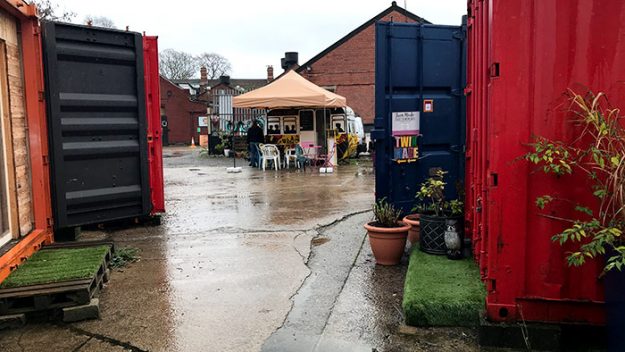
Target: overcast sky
(254, 33)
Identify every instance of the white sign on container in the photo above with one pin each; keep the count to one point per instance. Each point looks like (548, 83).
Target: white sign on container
(406, 123)
(202, 121)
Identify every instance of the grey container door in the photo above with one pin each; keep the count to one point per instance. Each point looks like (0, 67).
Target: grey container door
(96, 124)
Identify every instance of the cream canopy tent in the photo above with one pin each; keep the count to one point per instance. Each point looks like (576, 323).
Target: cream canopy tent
(289, 91)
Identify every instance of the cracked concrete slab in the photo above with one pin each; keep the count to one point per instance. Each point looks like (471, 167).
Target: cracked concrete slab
(40, 337)
(330, 263)
(95, 345)
(368, 310)
(220, 272)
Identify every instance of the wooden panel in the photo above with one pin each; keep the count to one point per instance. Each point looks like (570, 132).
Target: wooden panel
(7, 146)
(22, 201)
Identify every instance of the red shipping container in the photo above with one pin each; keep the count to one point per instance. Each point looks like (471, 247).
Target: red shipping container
(17, 251)
(523, 57)
(153, 110)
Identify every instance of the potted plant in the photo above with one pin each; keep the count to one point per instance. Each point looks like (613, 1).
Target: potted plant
(219, 148)
(441, 221)
(413, 233)
(387, 235)
(225, 145)
(596, 226)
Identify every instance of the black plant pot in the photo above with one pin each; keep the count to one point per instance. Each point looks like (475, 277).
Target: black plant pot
(432, 236)
(614, 284)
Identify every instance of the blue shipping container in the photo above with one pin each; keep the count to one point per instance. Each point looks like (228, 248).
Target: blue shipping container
(420, 112)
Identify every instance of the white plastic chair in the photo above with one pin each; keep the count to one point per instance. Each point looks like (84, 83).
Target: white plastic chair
(261, 156)
(290, 155)
(271, 153)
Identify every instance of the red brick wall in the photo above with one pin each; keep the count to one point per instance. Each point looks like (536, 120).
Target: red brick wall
(351, 68)
(182, 114)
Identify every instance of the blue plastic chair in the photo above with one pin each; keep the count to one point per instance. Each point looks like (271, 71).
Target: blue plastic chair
(301, 159)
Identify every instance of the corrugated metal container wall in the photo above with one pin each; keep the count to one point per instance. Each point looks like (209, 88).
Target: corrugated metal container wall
(524, 57)
(95, 94)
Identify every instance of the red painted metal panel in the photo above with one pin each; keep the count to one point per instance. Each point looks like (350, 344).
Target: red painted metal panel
(153, 107)
(524, 55)
(37, 138)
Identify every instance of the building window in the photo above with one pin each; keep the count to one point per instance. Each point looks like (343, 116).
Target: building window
(289, 125)
(307, 120)
(8, 204)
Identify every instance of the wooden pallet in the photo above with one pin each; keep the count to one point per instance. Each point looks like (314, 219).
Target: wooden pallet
(28, 299)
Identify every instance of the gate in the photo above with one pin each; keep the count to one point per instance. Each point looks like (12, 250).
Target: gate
(419, 109)
(97, 124)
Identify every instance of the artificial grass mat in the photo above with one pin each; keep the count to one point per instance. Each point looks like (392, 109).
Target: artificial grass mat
(442, 292)
(57, 265)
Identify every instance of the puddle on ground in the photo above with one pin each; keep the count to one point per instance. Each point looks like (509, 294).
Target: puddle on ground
(318, 241)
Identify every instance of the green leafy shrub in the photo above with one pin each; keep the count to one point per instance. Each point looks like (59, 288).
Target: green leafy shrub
(599, 153)
(385, 214)
(204, 153)
(124, 256)
(431, 196)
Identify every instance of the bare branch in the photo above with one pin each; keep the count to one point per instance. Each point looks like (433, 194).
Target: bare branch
(216, 65)
(175, 64)
(99, 21)
(48, 10)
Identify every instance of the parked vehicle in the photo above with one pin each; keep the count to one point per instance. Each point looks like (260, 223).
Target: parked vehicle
(356, 127)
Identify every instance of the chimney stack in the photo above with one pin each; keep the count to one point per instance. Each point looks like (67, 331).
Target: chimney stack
(290, 60)
(225, 80)
(203, 79)
(269, 73)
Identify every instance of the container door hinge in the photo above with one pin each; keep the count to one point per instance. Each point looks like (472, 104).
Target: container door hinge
(460, 35)
(468, 90)
(45, 159)
(42, 95)
(494, 69)
(50, 222)
(457, 92)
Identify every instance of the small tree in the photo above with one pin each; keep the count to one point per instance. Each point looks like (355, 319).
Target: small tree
(431, 195)
(99, 21)
(216, 65)
(48, 10)
(175, 64)
(598, 153)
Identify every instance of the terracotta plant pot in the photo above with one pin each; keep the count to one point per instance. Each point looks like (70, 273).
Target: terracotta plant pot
(413, 234)
(387, 244)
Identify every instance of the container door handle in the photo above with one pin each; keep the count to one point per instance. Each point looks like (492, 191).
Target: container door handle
(457, 148)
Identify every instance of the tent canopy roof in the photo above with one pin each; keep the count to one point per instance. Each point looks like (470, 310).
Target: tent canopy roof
(289, 91)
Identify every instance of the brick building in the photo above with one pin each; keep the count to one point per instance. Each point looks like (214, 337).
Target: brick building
(180, 112)
(347, 67)
(217, 94)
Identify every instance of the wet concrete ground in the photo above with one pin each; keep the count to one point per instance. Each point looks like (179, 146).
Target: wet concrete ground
(273, 261)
